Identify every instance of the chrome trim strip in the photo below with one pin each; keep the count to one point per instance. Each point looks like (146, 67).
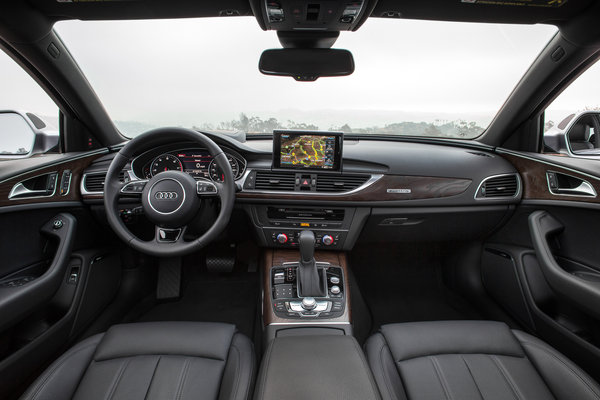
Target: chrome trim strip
(516, 195)
(19, 189)
(585, 189)
(374, 178)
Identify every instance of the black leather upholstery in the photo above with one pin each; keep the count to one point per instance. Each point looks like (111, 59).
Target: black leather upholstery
(471, 360)
(159, 360)
(315, 367)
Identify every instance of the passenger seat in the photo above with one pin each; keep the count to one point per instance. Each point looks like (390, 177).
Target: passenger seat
(471, 360)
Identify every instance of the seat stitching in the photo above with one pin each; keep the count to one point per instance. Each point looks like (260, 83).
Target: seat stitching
(581, 378)
(366, 366)
(152, 378)
(263, 379)
(472, 376)
(440, 377)
(237, 370)
(120, 373)
(506, 377)
(385, 376)
(182, 378)
(252, 366)
(55, 368)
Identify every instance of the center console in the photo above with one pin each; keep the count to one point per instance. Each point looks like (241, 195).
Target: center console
(286, 309)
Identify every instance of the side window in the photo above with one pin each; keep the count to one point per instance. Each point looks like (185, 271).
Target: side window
(28, 116)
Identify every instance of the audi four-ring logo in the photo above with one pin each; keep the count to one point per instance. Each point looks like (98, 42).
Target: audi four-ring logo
(165, 195)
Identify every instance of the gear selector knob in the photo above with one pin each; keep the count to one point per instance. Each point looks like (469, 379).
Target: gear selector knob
(306, 240)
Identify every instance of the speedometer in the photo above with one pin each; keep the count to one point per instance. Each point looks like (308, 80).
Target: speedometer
(216, 174)
(165, 162)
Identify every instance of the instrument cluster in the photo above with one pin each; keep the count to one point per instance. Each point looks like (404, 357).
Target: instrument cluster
(196, 162)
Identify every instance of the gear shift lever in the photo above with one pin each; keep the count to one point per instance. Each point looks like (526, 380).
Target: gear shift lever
(309, 280)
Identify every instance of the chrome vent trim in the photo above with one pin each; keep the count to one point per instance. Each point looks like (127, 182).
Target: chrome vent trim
(504, 186)
(93, 182)
(276, 181)
(336, 184)
(371, 179)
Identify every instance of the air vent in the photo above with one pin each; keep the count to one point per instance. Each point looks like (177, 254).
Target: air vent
(94, 182)
(500, 186)
(339, 183)
(267, 180)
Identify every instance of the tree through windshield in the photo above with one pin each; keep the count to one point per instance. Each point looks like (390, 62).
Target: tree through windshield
(417, 78)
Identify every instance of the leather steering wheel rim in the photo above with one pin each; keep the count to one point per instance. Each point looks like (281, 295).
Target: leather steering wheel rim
(112, 188)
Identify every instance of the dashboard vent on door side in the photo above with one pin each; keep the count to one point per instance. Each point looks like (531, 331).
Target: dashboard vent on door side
(339, 183)
(279, 181)
(500, 186)
(94, 182)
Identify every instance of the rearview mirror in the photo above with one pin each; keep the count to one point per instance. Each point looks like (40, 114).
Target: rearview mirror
(306, 64)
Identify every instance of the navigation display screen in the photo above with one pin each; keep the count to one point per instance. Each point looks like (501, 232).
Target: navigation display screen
(307, 150)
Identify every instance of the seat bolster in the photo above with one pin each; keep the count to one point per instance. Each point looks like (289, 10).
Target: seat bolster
(60, 380)
(384, 369)
(565, 379)
(420, 339)
(238, 377)
(192, 339)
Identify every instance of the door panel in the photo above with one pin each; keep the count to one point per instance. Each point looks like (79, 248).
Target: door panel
(59, 269)
(543, 265)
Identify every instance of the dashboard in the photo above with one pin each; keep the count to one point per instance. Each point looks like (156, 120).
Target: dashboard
(195, 161)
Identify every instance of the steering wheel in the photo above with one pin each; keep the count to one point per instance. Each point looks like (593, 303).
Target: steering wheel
(171, 199)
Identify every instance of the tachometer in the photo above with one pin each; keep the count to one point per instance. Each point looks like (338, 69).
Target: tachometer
(216, 174)
(165, 162)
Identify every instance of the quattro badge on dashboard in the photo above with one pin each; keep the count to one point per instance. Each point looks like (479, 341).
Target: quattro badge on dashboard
(401, 191)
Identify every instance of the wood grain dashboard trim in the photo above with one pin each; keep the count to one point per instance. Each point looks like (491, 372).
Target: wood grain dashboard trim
(278, 257)
(535, 184)
(77, 166)
(421, 187)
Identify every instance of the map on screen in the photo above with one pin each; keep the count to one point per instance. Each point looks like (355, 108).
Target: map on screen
(307, 151)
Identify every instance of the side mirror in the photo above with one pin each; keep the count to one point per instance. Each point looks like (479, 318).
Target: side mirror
(582, 136)
(25, 134)
(306, 64)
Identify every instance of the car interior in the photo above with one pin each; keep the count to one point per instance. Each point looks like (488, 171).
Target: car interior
(310, 261)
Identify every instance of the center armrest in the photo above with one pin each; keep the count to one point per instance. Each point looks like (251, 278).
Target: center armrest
(315, 367)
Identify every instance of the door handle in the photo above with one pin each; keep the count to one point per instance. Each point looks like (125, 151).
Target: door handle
(567, 185)
(571, 287)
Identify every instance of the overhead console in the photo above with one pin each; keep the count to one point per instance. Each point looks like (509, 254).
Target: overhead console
(329, 15)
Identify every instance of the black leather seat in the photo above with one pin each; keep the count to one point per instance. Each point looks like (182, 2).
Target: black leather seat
(157, 360)
(471, 360)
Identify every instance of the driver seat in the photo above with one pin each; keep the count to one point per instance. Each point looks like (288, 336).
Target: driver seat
(155, 360)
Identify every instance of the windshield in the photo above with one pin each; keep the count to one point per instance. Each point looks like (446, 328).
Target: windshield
(419, 78)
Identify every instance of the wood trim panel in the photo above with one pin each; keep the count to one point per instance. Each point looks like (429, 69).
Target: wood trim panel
(278, 257)
(422, 187)
(76, 166)
(535, 185)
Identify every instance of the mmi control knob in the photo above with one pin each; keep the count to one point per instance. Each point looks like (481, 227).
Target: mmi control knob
(327, 240)
(282, 238)
(309, 303)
